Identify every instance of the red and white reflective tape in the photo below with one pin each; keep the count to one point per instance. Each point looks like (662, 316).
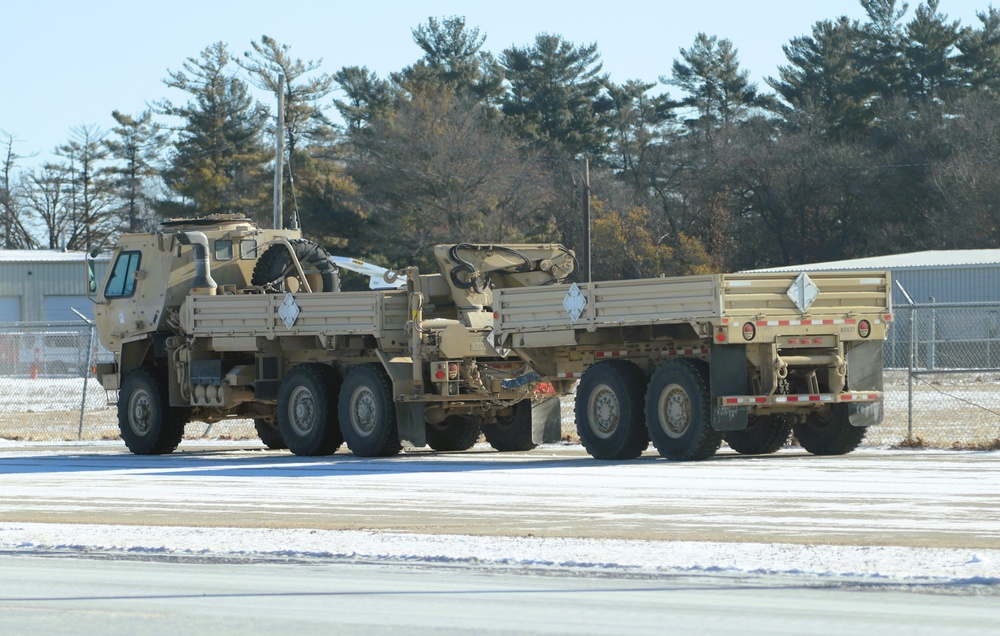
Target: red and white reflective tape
(750, 400)
(797, 323)
(572, 374)
(685, 352)
(621, 353)
(781, 399)
(859, 397)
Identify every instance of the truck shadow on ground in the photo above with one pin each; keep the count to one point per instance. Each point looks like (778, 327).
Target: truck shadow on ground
(256, 462)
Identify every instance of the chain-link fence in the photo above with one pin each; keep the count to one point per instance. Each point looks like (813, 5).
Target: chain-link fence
(942, 382)
(48, 391)
(943, 376)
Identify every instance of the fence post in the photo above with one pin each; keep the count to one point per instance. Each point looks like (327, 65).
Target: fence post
(909, 375)
(86, 370)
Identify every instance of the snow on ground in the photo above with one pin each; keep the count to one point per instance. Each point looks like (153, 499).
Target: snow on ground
(888, 563)
(918, 486)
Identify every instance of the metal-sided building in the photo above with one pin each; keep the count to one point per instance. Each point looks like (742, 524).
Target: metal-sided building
(43, 285)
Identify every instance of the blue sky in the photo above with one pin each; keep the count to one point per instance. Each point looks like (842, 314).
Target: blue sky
(69, 63)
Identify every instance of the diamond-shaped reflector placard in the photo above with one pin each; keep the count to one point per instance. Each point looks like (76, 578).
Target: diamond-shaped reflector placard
(574, 303)
(803, 292)
(289, 311)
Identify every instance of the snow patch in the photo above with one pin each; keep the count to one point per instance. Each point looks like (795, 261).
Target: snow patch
(880, 563)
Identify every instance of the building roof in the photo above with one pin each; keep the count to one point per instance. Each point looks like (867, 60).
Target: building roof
(932, 259)
(45, 256)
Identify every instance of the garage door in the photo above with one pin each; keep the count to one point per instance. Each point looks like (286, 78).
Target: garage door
(58, 308)
(10, 308)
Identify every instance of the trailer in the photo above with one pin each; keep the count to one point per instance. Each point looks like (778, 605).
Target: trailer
(688, 362)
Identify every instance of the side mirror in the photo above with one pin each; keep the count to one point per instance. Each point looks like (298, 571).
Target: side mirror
(91, 277)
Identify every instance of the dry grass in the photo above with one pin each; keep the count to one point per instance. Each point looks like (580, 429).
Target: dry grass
(914, 442)
(977, 446)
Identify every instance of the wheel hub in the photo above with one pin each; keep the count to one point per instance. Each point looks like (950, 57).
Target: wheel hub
(363, 411)
(302, 411)
(140, 411)
(605, 413)
(674, 411)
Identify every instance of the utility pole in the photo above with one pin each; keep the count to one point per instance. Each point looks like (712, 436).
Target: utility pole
(279, 154)
(586, 219)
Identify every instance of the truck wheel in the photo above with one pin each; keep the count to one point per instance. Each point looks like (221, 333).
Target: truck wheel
(678, 411)
(511, 432)
(269, 434)
(764, 434)
(148, 424)
(609, 417)
(829, 432)
(455, 433)
(275, 266)
(368, 412)
(307, 419)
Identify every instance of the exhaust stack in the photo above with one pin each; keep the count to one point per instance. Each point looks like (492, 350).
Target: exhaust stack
(202, 283)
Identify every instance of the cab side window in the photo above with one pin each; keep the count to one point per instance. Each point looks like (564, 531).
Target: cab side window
(121, 283)
(223, 250)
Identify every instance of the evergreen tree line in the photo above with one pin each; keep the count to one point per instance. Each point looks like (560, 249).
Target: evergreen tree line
(877, 136)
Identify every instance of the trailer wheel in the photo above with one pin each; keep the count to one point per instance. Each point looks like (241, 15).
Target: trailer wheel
(275, 266)
(512, 430)
(307, 419)
(609, 416)
(829, 432)
(764, 434)
(455, 433)
(368, 413)
(148, 424)
(269, 434)
(678, 411)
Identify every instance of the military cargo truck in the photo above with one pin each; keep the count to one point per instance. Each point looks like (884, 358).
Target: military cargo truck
(214, 318)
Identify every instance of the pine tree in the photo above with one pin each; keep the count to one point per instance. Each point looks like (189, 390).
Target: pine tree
(304, 118)
(218, 163)
(979, 53)
(368, 97)
(717, 88)
(136, 146)
(453, 57)
(930, 54)
(822, 85)
(557, 97)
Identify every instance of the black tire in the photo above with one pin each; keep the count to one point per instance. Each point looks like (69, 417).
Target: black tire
(275, 265)
(148, 424)
(829, 432)
(511, 432)
(764, 434)
(368, 412)
(307, 417)
(269, 434)
(455, 433)
(609, 410)
(679, 411)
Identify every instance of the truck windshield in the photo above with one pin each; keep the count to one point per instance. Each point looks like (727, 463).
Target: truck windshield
(121, 283)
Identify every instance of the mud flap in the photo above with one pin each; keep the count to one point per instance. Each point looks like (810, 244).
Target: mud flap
(864, 373)
(728, 367)
(410, 423)
(546, 421)
(865, 413)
